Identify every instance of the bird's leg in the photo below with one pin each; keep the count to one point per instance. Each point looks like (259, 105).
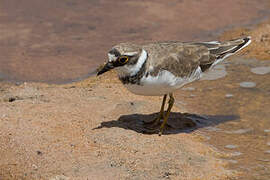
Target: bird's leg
(161, 113)
(165, 119)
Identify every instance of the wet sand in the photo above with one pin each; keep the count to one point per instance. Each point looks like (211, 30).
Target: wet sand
(239, 99)
(62, 41)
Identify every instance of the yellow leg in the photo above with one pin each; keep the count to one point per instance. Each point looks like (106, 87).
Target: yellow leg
(161, 113)
(165, 119)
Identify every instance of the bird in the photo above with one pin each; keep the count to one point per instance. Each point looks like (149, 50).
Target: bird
(160, 68)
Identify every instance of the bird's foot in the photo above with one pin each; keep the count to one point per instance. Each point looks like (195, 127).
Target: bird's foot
(156, 126)
(153, 124)
(156, 120)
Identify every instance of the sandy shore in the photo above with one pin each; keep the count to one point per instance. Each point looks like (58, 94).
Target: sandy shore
(93, 129)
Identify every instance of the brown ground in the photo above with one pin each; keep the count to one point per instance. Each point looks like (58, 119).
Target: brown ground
(94, 132)
(93, 129)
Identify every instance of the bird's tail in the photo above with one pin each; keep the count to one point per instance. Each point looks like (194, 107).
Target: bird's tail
(228, 48)
(221, 50)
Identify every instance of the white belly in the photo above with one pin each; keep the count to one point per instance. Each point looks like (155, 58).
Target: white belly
(164, 83)
(147, 90)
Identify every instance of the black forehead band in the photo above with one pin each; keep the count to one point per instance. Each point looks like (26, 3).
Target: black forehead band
(115, 52)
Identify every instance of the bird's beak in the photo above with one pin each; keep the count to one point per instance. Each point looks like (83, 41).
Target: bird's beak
(108, 66)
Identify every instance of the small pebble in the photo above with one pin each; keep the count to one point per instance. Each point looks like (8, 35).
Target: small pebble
(34, 166)
(263, 160)
(267, 130)
(268, 151)
(248, 84)
(241, 131)
(39, 152)
(60, 177)
(233, 161)
(268, 144)
(230, 146)
(228, 95)
(215, 129)
(261, 70)
(11, 99)
(207, 137)
(188, 88)
(236, 153)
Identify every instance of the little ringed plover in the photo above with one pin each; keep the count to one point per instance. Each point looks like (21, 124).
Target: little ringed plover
(158, 69)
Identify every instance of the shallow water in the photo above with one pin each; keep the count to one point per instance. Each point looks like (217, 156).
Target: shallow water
(242, 99)
(63, 41)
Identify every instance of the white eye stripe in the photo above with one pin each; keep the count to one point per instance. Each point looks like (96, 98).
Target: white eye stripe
(112, 57)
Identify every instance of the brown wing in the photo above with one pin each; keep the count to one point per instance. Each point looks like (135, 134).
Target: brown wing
(182, 60)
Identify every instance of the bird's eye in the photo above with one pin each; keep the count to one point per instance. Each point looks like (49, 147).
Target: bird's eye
(123, 59)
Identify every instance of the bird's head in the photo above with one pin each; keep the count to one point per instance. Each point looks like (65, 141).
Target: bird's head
(124, 58)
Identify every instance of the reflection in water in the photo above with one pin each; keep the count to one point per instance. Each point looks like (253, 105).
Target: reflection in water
(261, 70)
(236, 153)
(220, 72)
(230, 146)
(229, 95)
(244, 92)
(248, 84)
